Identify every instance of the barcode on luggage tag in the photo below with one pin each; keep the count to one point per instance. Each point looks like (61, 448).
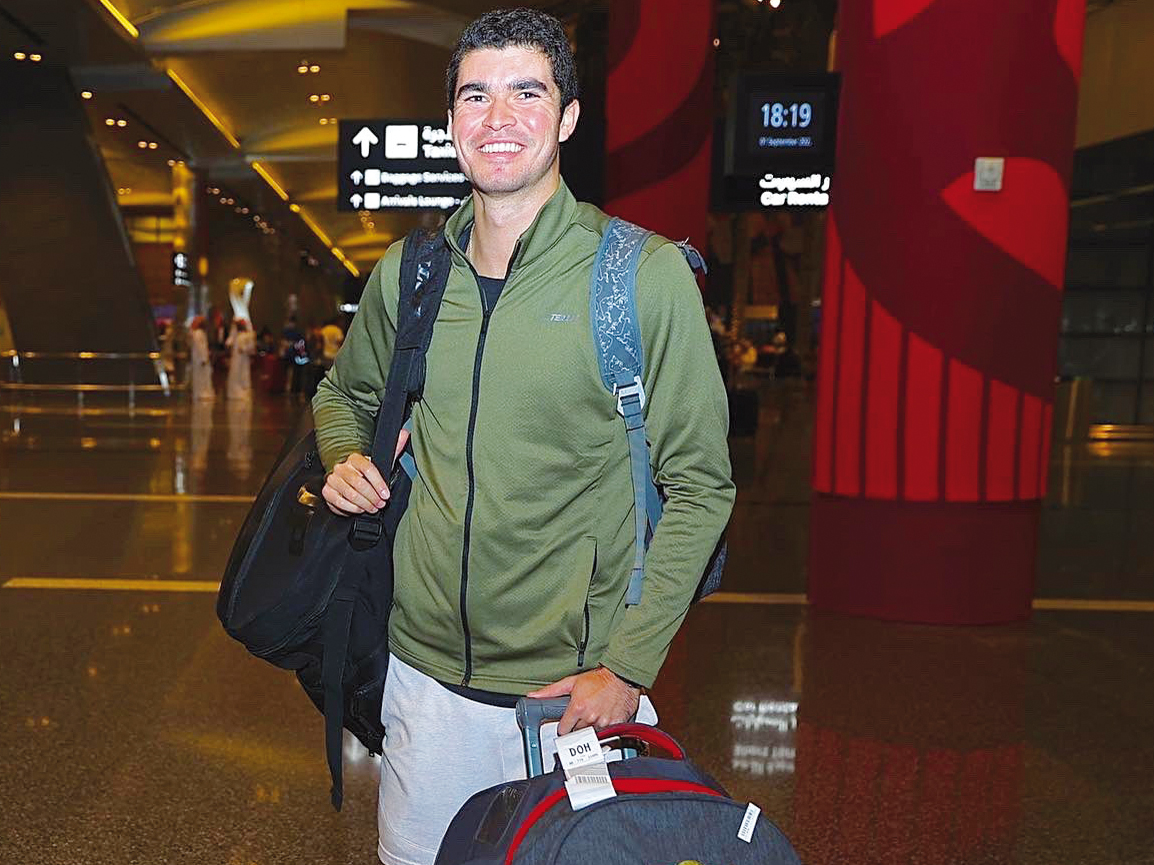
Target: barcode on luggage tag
(749, 823)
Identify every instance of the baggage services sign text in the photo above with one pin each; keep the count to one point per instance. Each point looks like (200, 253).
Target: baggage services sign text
(398, 165)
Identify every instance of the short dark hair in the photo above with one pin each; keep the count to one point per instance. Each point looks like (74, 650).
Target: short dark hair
(521, 28)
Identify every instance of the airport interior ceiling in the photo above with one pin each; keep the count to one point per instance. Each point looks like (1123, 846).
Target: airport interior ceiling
(247, 90)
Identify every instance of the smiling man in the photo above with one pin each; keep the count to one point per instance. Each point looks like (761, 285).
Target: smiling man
(513, 558)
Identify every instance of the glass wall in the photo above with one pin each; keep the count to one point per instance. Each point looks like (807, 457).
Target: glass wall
(1108, 311)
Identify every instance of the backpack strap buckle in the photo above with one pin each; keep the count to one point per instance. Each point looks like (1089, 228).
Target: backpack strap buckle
(630, 397)
(365, 533)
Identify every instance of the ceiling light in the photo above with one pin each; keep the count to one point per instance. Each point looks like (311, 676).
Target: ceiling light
(314, 68)
(325, 97)
(244, 210)
(775, 3)
(35, 58)
(85, 94)
(256, 218)
(20, 55)
(110, 121)
(302, 69)
(295, 208)
(324, 121)
(314, 98)
(236, 210)
(716, 43)
(231, 201)
(223, 200)
(121, 123)
(142, 144)
(172, 163)
(152, 145)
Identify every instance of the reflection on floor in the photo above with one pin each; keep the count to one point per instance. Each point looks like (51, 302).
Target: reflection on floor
(133, 730)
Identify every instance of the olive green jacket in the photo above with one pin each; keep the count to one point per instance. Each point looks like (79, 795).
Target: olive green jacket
(513, 558)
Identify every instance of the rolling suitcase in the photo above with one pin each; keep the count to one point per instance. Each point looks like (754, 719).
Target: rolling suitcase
(666, 810)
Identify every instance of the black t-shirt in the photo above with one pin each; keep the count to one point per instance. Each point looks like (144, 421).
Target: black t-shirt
(492, 288)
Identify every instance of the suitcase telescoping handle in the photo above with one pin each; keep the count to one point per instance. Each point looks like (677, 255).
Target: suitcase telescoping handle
(531, 714)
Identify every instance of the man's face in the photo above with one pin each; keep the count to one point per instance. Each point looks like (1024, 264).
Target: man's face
(507, 120)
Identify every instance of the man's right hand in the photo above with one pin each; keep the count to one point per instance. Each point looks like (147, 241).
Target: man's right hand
(355, 486)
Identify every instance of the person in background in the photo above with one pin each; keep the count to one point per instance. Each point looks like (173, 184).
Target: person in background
(242, 345)
(265, 343)
(332, 338)
(295, 351)
(200, 362)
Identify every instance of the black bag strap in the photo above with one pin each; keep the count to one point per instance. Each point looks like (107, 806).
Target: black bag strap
(335, 634)
(425, 263)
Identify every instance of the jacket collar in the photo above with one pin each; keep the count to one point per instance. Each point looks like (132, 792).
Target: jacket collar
(546, 230)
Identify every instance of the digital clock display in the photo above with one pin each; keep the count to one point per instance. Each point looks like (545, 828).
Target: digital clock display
(785, 122)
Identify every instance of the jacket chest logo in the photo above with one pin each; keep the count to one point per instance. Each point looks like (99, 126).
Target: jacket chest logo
(559, 318)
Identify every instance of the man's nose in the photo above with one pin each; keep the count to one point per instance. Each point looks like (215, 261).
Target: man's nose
(499, 116)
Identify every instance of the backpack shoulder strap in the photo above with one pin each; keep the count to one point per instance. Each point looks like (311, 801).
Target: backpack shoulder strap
(621, 361)
(425, 263)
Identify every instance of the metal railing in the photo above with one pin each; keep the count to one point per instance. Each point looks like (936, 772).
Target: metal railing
(15, 362)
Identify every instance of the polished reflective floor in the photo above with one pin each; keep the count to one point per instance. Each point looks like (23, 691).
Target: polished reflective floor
(134, 731)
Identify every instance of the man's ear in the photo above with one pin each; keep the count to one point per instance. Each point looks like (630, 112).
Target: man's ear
(569, 120)
(449, 114)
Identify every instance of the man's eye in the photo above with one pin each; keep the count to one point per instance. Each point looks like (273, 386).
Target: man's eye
(530, 94)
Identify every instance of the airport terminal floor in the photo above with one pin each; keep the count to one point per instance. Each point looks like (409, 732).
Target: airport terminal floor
(133, 730)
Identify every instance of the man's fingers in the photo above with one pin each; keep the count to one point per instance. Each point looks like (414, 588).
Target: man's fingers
(360, 493)
(557, 689)
(570, 721)
(373, 478)
(338, 504)
(402, 441)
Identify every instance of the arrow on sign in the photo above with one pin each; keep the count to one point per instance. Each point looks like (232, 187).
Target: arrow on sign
(365, 139)
(356, 177)
(356, 200)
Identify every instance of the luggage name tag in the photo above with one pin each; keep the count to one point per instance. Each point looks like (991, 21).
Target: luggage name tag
(586, 774)
(748, 823)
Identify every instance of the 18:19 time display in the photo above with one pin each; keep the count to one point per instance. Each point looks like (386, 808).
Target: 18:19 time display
(778, 115)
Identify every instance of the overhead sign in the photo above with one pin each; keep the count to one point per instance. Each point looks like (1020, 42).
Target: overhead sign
(181, 275)
(398, 165)
(812, 191)
(779, 133)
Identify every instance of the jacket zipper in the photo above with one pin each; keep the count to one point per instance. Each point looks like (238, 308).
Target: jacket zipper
(487, 315)
(584, 638)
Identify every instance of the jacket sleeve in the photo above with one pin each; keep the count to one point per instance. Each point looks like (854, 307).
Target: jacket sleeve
(687, 421)
(348, 398)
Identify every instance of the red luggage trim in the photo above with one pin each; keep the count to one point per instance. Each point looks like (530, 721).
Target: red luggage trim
(645, 733)
(621, 785)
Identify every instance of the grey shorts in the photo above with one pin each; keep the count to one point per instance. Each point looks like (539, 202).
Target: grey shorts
(440, 749)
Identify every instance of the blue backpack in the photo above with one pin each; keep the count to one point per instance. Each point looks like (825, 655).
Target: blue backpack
(621, 359)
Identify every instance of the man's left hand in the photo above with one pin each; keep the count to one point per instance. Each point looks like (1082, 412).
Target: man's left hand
(596, 699)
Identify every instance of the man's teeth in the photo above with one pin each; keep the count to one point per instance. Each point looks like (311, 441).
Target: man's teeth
(501, 148)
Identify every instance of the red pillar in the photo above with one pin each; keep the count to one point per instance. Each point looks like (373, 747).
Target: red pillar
(942, 304)
(659, 115)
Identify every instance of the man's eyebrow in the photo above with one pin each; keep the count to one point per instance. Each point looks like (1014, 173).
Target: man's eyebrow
(529, 84)
(472, 87)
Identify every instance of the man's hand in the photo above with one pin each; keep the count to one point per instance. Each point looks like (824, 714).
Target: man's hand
(355, 486)
(596, 699)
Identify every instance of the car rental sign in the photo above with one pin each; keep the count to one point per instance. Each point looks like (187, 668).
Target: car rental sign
(398, 165)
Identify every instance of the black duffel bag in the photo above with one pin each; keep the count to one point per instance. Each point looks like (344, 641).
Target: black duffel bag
(310, 591)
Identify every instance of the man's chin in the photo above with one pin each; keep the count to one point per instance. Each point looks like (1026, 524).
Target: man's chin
(499, 185)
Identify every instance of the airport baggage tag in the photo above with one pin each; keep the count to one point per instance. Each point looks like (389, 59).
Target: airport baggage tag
(586, 773)
(579, 748)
